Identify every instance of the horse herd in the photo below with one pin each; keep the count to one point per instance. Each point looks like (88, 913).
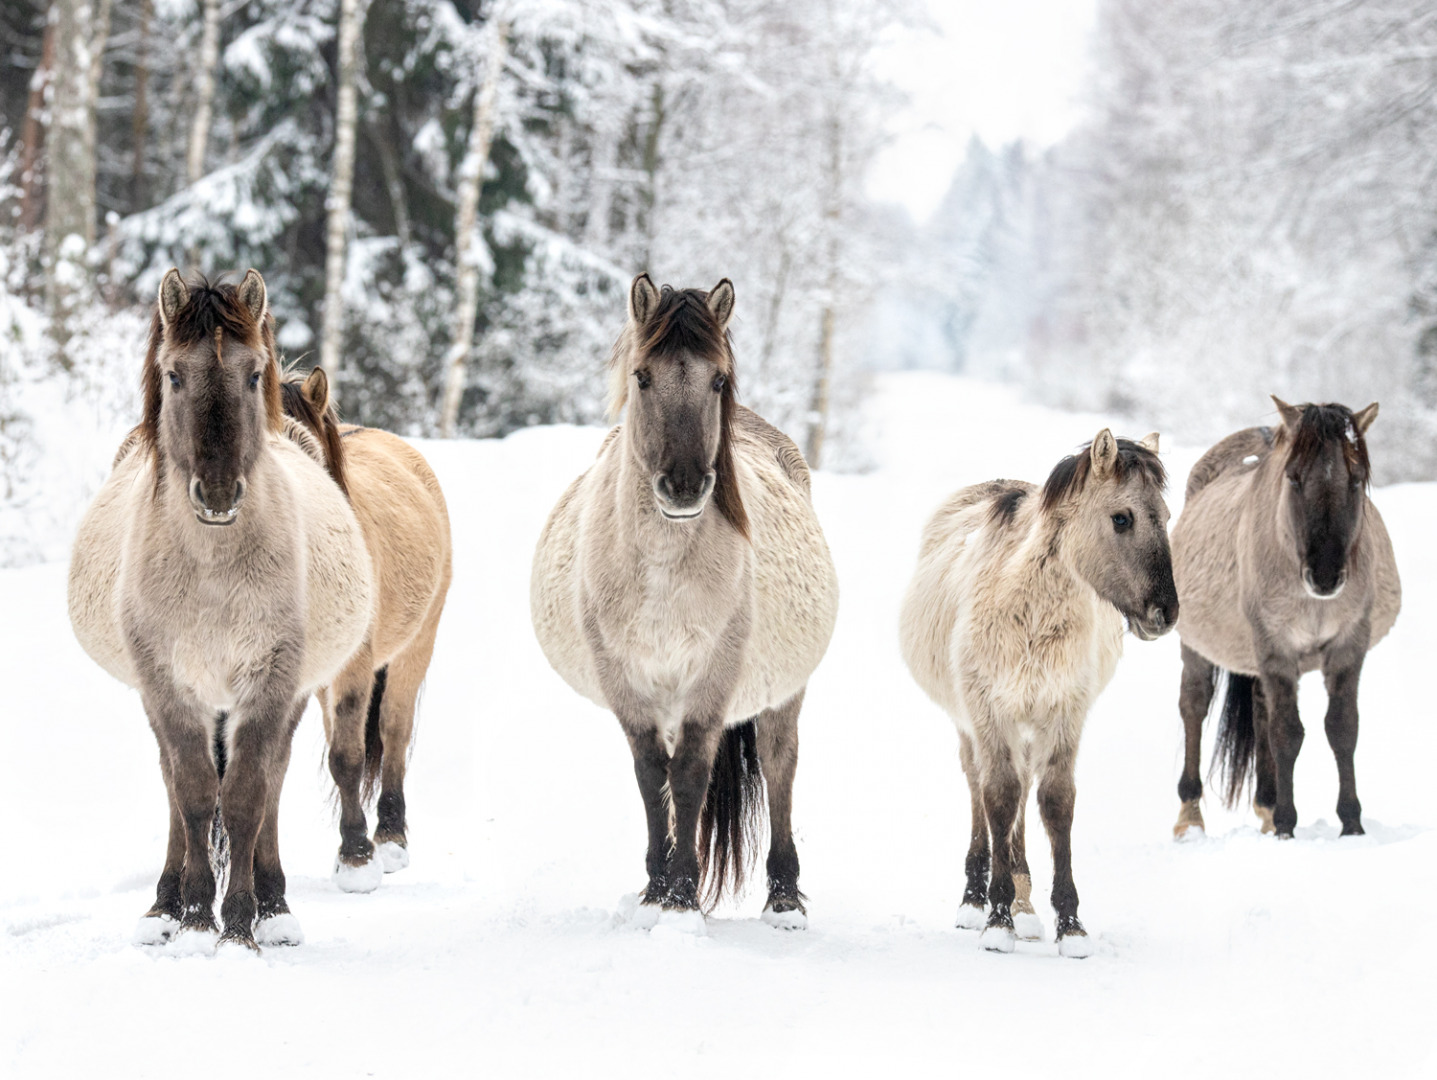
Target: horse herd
(249, 550)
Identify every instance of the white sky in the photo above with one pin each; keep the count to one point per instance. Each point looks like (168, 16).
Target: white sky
(1003, 68)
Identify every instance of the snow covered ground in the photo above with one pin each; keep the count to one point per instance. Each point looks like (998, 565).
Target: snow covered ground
(498, 953)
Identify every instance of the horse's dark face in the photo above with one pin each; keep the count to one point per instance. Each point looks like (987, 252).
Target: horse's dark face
(213, 408)
(1119, 541)
(1324, 491)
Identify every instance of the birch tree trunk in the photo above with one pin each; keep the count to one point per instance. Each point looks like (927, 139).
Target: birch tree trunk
(341, 188)
(204, 92)
(818, 409)
(471, 177)
(33, 135)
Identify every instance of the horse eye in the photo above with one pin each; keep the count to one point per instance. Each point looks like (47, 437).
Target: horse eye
(174, 380)
(254, 380)
(719, 383)
(1122, 523)
(644, 379)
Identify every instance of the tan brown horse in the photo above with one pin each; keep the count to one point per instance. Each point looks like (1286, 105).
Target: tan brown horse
(1283, 567)
(369, 708)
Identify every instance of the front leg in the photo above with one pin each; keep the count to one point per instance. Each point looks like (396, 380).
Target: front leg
(689, 772)
(1194, 701)
(972, 912)
(346, 713)
(1284, 728)
(275, 924)
(1056, 795)
(651, 770)
(1002, 794)
(1341, 671)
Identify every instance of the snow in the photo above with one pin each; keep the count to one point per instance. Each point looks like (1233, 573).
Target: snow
(503, 949)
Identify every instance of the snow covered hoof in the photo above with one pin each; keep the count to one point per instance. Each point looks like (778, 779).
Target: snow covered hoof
(155, 930)
(794, 919)
(240, 941)
(1076, 944)
(971, 917)
(392, 855)
(636, 914)
(1264, 816)
(364, 878)
(280, 929)
(1190, 824)
(1027, 926)
(999, 939)
(195, 943)
(685, 921)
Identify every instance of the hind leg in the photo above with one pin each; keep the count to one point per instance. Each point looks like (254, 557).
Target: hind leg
(972, 912)
(778, 757)
(346, 707)
(1264, 796)
(1194, 700)
(1026, 923)
(276, 925)
(402, 681)
(1056, 795)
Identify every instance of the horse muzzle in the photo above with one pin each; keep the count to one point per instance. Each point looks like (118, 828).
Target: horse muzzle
(677, 504)
(1315, 590)
(216, 504)
(1158, 620)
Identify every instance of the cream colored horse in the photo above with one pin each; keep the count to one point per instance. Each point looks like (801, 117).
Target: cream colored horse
(222, 573)
(684, 583)
(1014, 624)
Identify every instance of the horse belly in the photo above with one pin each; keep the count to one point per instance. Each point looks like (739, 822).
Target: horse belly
(94, 580)
(1205, 569)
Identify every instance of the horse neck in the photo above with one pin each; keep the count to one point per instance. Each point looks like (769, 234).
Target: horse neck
(1046, 562)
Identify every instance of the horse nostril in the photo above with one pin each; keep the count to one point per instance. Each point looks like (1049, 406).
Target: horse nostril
(664, 488)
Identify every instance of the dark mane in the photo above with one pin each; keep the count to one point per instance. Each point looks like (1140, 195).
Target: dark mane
(1071, 474)
(323, 425)
(210, 308)
(1005, 506)
(683, 325)
(1322, 425)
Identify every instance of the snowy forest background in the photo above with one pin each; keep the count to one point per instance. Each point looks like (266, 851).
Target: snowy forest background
(448, 198)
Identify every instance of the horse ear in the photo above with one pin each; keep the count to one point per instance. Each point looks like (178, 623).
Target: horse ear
(174, 295)
(1363, 420)
(720, 303)
(316, 389)
(1105, 454)
(1149, 442)
(252, 293)
(1291, 415)
(643, 299)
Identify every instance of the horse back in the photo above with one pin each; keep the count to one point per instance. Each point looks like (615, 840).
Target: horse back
(1245, 449)
(771, 441)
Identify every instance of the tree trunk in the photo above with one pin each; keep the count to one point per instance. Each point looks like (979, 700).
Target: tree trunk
(341, 187)
(80, 27)
(818, 410)
(140, 120)
(204, 92)
(32, 177)
(471, 178)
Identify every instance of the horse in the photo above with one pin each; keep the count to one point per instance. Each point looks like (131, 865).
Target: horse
(683, 582)
(1013, 623)
(222, 573)
(1284, 566)
(369, 709)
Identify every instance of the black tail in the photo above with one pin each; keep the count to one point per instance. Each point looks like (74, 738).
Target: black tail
(1232, 756)
(733, 814)
(373, 738)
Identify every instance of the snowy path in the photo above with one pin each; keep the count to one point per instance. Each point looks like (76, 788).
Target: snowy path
(497, 954)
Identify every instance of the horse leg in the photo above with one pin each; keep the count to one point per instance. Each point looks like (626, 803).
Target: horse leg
(1264, 796)
(1002, 796)
(689, 772)
(1341, 671)
(651, 769)
(778, 757)
(1279, 688)
(1194, 700)
(244, 795)
(972, 912)
(1026, 923)
(402, 680)
(1056, 794)
(346, 709)
(276, 925)
(159, 924)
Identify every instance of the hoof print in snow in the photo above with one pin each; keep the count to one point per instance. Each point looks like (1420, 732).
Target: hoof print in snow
(363, 878)
(785, 920)
(392, 856)
(999, 939)
(1077, 946)
(279, 930)
(681, 922)
(1027, 926)
(156, 930)
(971, 917)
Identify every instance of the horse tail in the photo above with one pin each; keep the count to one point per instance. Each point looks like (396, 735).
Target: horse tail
(732, 815)
(219, 835)
(1232, 757)
(373, 737)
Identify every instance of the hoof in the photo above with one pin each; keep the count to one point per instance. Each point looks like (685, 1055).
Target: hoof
(1355, 829)
(793, 919)
(392, 856)
(364, 878)
(237, 941)
(1190, 823)
(1264, 815)
(688, 922)
(971, 917)
(633, 912)
(1027, 926)
(999, 939)
(279, 930)
(156, 930)
(195, 943)
(1076, 944)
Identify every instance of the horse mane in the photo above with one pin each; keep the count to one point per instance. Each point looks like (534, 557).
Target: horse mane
(1070, 475)
(211, 308)
(323, 425)
(681, 325)
(1322, 425)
